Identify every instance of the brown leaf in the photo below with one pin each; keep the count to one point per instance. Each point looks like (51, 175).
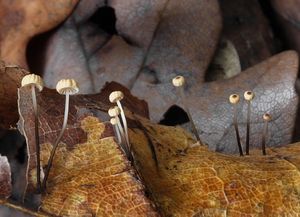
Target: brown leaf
(139, 39)
(273, 84)
(11, 77)
(21, 20)
(93, 178)
(51, 111)
(90, 175)
(206, 183)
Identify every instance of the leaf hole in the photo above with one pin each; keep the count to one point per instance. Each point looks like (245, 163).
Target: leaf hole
(175, 115)
(105, 18)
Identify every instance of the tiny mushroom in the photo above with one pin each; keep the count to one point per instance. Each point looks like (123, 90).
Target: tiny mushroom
(179, 82)
(114, 121)
(35, 82)
(234, 100)
(116, 97)
(267, 118)
(65, 87)
(114, 113)
(248, 96)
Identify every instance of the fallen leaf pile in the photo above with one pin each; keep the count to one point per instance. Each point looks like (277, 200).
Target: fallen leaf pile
(137, 46)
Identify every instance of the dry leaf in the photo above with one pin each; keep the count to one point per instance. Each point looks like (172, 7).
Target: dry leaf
(22, 19)
(137, 39)
(11, 77)
(90, 175)
(93, 178)
(199, 182)
(273, 84)
(51, 111)
(206, 183)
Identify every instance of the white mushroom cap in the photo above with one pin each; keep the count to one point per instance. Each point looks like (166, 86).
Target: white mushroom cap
(33, 79)
(114, 111)
(114, 121)
(178, 81)
(234, 98)
(65, 86)
(116, 96)
(248, 95)
(267, 117)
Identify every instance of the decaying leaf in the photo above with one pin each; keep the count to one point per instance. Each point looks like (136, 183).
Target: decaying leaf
(123, 40)
(51, 111)
(11, 77)
(198, 182)
(273, 84)
(206, 183)
(93, 178)
(21, 20)
(90, 175)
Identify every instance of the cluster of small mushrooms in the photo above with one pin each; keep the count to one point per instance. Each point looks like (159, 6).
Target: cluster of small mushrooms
(69, 87)
(65, 87)
(234, 99)
(120, 127)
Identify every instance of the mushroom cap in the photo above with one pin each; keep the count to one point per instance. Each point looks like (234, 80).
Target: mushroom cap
(178, 81)
(65, 86)
(114, 111)
(234, 98)
(116, 96)
(248, 95)
(267, 117)
(114, 121)
(33, 79)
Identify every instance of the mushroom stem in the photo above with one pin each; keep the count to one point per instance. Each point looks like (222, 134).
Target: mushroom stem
(266, 118)
(235, 123)
(194, 129)
(124, 123)
(248, 128)
(118, 134)
(37, 139)
(55, 145)
(263, 140)
(248, 96)
(35, 82)
(126, 147)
